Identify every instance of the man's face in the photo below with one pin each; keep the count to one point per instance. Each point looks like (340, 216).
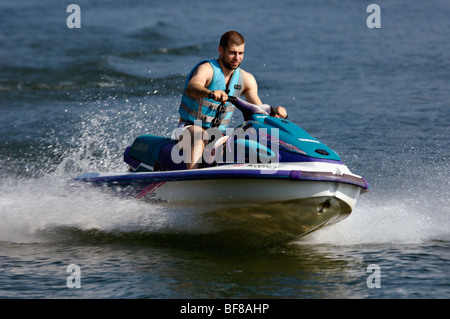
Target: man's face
(232, 56)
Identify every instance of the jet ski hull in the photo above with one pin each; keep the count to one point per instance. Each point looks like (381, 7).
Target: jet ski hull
(276, 202)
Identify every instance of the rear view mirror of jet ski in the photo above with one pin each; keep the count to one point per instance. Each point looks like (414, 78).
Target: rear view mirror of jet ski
(267, 178)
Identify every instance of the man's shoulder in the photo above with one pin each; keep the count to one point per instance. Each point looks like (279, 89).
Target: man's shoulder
(203, 68)
(245, 73)
(248, 77)
(204, 64)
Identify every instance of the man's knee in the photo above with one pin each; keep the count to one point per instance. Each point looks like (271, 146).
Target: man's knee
(195, 133)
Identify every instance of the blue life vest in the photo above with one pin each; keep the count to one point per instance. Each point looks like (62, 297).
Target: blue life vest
(210, 112)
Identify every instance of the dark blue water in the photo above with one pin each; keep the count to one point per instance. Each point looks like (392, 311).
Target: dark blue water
(71, 100)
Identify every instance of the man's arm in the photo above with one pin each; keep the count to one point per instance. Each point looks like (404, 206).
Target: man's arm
(251, 89)
(251, 95)
(197, 86)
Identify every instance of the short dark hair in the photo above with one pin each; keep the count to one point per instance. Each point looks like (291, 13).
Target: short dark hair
(231, 38)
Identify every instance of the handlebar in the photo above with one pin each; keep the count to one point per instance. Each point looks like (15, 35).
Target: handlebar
(232, 99)
(248, 108)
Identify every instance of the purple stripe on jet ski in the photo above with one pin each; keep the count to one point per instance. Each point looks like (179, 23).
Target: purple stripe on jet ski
(286, 157)
(329, 177)
(199, 174)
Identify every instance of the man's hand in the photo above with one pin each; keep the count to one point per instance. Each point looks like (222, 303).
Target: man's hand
(218, 95)
(281, 112)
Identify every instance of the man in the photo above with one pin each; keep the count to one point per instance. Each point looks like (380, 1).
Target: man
(206, 94)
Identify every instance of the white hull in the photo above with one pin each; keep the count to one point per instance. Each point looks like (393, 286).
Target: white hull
(265, 205)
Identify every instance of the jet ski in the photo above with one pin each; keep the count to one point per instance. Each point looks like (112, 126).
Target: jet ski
(266, 178)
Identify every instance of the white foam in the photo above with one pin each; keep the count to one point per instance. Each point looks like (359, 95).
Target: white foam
(31, 209)
(395, 218)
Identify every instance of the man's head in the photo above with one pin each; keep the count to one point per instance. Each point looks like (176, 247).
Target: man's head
(231, 49)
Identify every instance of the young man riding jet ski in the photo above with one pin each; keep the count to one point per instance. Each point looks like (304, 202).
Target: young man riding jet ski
(206, 93)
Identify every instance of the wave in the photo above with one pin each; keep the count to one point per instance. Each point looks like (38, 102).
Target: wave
(414, 212)
(158, 32)
(93, 79)
(77, 76)
(152, 56)
(50, 210)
